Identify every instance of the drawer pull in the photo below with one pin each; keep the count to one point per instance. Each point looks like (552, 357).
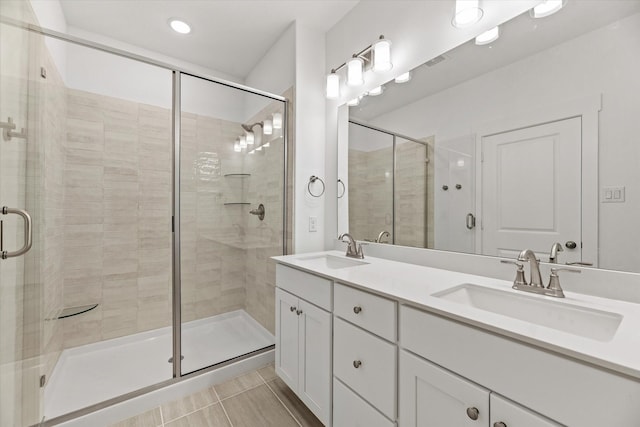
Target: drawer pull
(299, 312)
(292, 309)
(357, 309)
(499, 424)
(473, 413)
(357, 364)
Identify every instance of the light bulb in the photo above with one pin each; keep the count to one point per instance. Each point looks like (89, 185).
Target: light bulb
(403, 78)
(355, 72)
(179, 26)
(467, 13)
(277, 121)
(250, 138)
(382, 55)
(488, 36)
(243, 142)
(267, 127)
(333, 85)
(548, 7)
(375, 91)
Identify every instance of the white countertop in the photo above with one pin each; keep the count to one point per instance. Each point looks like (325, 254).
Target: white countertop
(414, 285)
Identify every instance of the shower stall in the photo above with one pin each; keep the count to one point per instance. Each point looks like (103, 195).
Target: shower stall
(152, 200)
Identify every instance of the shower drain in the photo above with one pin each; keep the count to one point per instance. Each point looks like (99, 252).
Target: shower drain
(171, 359)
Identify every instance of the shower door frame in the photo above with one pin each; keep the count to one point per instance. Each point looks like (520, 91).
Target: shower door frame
(176, 111)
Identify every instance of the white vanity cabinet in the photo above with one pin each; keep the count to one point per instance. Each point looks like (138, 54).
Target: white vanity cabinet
(303, 338)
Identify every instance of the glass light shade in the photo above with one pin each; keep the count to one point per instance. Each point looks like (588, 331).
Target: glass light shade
(333, 86)
(375, 91)
(382, 56)
(179, 26)
(243, 142)
(353, 102)
(250, 138)
(488, 36)
(267, 127)
(355, 68)
(237, 148)
(467, 13)
(277, 121)
(403, 78)
(549, 7)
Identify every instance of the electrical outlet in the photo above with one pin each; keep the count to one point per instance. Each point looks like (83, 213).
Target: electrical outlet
(612, 195)
(313, 224)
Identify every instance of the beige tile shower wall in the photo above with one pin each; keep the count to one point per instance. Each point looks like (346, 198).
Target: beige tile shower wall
(117, 246)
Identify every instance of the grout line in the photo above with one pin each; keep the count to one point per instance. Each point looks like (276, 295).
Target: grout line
(222, 406)
(282, 403)
(161, 416)
(236, 394)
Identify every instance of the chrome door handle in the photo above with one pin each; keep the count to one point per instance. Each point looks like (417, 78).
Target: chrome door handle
(27, 233)
(473, 413)
(571, 244)
(471, 221)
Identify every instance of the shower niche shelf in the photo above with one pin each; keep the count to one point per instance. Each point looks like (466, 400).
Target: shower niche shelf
(236, 203)
(74, 311)
(237, 175)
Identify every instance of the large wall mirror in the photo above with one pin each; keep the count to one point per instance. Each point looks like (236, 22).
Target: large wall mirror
(529, 140)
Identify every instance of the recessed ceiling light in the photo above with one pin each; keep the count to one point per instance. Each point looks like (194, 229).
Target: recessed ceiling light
(179, 26)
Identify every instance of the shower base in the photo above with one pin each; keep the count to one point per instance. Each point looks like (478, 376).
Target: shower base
(93, 373)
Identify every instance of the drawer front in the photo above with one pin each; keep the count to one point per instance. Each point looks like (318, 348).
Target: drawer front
(511, 414)
(367, 364)
(371, 312)
(315, 289)
(349, 410)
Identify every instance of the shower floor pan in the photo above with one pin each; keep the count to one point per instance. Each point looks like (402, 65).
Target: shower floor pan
(93, 373)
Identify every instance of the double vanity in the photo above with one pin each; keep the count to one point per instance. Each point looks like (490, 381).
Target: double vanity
(373, 342)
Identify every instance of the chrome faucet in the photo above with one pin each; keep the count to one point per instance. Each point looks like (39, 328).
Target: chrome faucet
(534, 264)
(553, 255)
(354, 250)
(382, 235)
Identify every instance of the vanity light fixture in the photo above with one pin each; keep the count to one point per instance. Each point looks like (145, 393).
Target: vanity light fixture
(277, 121)
(354, 102)
(259, 148)
(267, 127)
(242, 142)
(403, 78)
(546, 8)
(488, 36)
(467, 13)
(250, 138)
(179, 26)
(376, 91)
(377, 55)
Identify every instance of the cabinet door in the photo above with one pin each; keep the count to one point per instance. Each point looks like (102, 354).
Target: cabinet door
(315, 360)
(433, 397)
(513, 415)
(287, 358)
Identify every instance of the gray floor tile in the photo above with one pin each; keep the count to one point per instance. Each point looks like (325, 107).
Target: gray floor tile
(268, 372)
(238, 384)
(258, 407)
(147, 419)
(294, 404)
(185, 405)
(211, 416)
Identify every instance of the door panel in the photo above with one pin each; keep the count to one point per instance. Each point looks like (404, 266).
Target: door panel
(287, 338)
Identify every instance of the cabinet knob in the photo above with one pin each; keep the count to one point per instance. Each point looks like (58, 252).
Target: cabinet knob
(499, 424)
(357, 364)
(357, 309)
(292, 309)
(473, 413)
(299, 312)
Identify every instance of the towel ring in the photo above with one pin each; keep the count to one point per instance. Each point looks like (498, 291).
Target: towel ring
(312, 180)
(344, 188)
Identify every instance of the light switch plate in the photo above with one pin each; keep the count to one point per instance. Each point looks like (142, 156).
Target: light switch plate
(612, 195)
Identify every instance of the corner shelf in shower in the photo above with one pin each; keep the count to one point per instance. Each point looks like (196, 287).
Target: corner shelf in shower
(237, 203)
(74, 311)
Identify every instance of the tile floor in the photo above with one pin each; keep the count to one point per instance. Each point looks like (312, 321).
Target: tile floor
(256, 399)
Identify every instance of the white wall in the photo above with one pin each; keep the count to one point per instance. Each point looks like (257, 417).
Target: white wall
(605, 61)
(50, 15)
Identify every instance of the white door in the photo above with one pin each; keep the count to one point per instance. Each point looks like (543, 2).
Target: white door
(531, 190)
(513, 415)
(287, 343)
(315, 360)
(433, 397)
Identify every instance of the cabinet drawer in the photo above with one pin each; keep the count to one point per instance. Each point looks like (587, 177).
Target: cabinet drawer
(349, 410)
(511, 414)
(371, 312)
(315, 289)
(374, 378)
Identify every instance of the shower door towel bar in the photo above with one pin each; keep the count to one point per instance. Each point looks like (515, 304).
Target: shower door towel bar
(27, 233)
(312, 180)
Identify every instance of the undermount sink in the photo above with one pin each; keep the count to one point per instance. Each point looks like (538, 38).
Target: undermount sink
(582, 321)
(332, 262)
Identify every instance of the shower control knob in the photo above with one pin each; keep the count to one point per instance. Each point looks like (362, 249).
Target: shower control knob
(292, 309)
(473, 413)
(357, 309)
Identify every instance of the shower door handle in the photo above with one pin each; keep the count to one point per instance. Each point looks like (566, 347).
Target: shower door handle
(471, 221)
(27, 233)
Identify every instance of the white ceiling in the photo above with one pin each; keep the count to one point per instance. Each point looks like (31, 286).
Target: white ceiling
(227, 35)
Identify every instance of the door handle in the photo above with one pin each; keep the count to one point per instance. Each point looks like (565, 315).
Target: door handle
(471, 221)
(571, 244)
(27, 233)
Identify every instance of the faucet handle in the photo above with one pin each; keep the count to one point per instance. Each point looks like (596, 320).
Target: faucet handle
(554, 280)
(519, 280)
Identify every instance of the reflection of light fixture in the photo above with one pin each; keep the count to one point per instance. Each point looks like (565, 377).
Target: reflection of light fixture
(277, 121)
(488, 36)
(252, 151)
(333, 85)
(467, 13)
(403, 78)
(460, 163)
(354, 102)
(267, 127)
(250, 138)
(179, 26)
(355, 71)
(375, 91)
(546, 8)
(243, 142)
(237, 148)
(382, 55)
(266, 145)
(259, 148)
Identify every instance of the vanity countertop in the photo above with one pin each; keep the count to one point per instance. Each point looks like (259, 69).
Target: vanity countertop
(415, 285)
